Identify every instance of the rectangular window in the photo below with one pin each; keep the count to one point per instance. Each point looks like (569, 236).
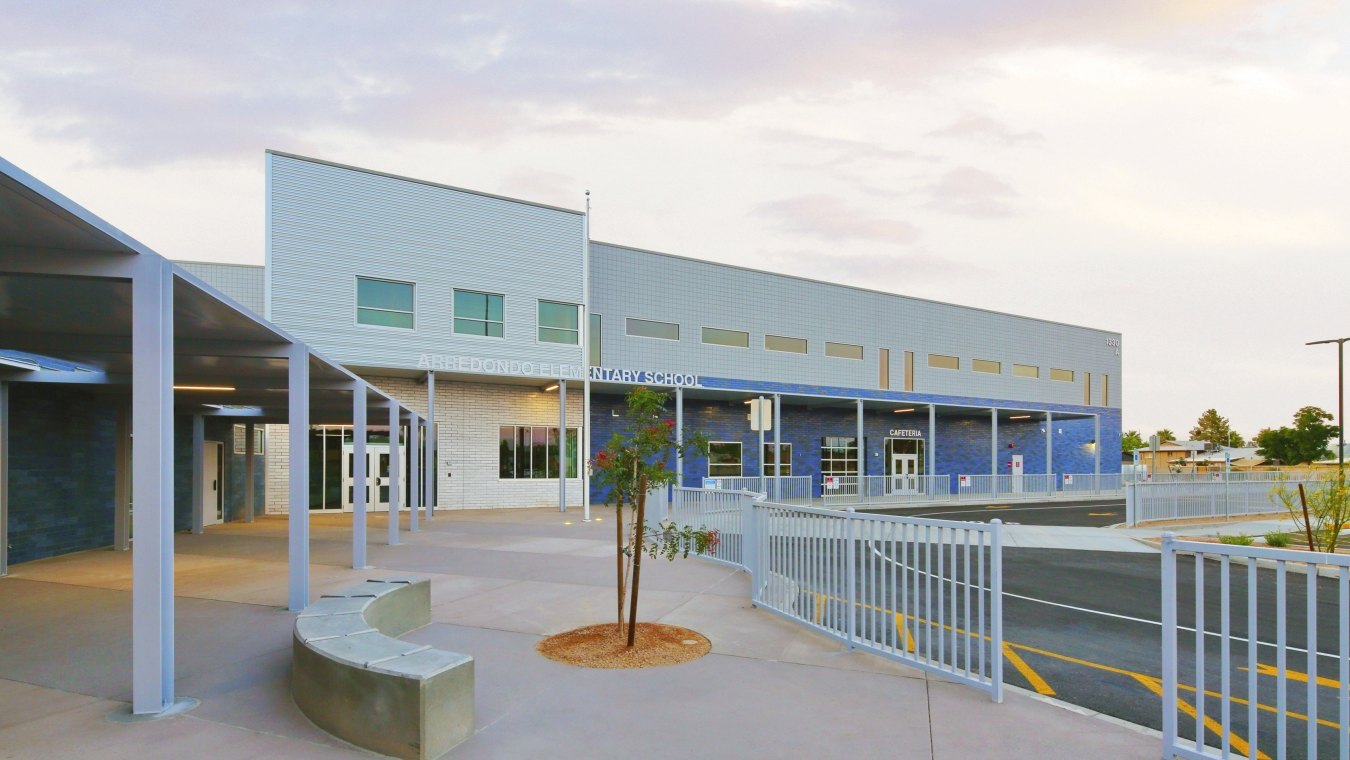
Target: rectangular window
(593, 340)
(984, 365)
(1063, 375)
(779, 343)
(839, 455)
(646, 328)
(718, 337)
(909, 370)
(843, 350)
(1087, 389)
(1026, 370)
(558, 323)
(384, 303)
(531, 453)
(724, 459)
(1106, 390)
(941, 361)
(884, 364)
(784, 463)
(478, 314)
(240, 439)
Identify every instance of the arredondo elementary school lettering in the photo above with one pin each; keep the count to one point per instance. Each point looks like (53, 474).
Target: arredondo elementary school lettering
(645, 377)
(450, 363)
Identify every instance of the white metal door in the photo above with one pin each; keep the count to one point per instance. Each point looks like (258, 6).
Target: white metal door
(377, 477)
(213, 506)
(904, 473)
(1016, 467)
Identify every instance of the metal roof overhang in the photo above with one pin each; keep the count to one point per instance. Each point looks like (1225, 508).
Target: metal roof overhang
(65, 306)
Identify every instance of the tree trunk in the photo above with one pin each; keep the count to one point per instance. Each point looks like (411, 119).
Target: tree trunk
(640, 531)
(618, 559)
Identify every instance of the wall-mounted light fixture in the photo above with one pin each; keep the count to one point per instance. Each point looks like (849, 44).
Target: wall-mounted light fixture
(550, 388)
(228, 388)
(904, 411)
(1020, 417)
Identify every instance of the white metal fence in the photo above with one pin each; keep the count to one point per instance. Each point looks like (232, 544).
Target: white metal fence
(1005, 486)
(1181, 501)
(925, 592)
(793, 489)
(1227, 710)
(884, 489)
(1216, 476)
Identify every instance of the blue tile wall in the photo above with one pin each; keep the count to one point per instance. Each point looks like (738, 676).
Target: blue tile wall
(60, 472)
(963, 442)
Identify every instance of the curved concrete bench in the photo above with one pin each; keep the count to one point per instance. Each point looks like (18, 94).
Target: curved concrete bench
(356, 681)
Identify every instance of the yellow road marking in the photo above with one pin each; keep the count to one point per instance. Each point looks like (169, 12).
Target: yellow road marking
(1293, 675)
(1027, 672)
(1102, 514)
(998, 506)
(1238, 743)
(904, 629)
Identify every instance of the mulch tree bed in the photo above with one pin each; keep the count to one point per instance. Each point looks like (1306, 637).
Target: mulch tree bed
(606, 646)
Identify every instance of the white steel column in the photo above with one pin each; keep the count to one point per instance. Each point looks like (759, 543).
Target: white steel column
(585, 453)
(152, 603)
(562, 445)
(679, 437)
(429, 456)
(298, 479)
(862, 453)
(198, 467)
(932, 444)
(993, 451)
(759, 423)
(395, 481)
(360, 486)
(250, 472)
(4, 474)
(414, 466)
(778, 445)
(1049, 446)
(121, 480)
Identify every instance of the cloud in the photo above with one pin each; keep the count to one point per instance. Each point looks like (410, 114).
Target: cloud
(161, 81)
(970, 192)
(975, 126)
(889, 271)
(828, 218)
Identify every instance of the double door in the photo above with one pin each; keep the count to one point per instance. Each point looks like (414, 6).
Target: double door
(377, 477)
(904, 474)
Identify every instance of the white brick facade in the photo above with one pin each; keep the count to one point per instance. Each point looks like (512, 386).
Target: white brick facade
(468, 418)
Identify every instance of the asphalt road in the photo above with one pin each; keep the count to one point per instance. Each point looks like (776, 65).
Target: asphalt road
(1095, 514)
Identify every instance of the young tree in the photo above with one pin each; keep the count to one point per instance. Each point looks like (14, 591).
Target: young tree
(631, 465)
(1235, 439)
(1306, 441)
(1212, 428)
(1131, 441)
(1328, 509)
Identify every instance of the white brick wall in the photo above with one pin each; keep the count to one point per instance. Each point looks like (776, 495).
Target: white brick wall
(468, 417)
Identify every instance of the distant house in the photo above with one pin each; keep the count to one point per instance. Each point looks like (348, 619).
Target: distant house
(1238, 457)
(1170, 455)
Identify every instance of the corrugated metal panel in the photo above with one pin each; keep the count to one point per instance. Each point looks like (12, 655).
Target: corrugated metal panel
(242, 282)
(330, 224)
(631, 283)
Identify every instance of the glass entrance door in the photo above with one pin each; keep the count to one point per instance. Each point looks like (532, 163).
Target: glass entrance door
(904, 473)
(377, 477)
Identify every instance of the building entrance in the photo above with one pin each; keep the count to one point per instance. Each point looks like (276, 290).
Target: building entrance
(377, 477)
(904, 465)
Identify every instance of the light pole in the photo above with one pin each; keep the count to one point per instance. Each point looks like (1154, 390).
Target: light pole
(1340, 398)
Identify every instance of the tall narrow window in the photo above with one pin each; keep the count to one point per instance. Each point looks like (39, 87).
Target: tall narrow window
(909, 370)
(478, 314)
(384, 303)
(593, 340)
(884, 365)
(558, 323)
(1106, 390)
(1087, 389)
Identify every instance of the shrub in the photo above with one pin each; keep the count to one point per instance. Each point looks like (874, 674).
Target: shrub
(1240, 539)
(1277, 539)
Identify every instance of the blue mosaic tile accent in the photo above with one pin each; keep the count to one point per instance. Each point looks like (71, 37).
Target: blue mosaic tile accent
(60, 472)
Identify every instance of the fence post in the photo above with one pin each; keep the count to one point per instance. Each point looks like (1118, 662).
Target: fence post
(850, 577)
(996, 608)
(1130, 497)
(750, 544)
(1169, 642)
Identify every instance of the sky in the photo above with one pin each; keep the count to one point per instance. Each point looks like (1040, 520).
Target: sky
(1175, 170)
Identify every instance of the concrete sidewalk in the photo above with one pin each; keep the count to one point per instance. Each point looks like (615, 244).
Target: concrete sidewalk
(500, 581)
